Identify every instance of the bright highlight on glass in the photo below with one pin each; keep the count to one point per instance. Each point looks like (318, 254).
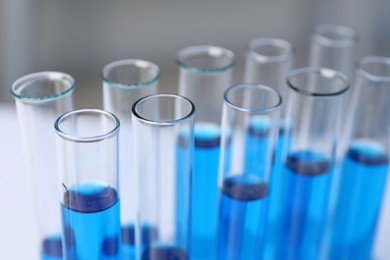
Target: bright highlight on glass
(314, 108)
(87, 144)
(250, 125)
(205, 74)
(124, 82)
(40, 99)
(163, 145)
(365, 165)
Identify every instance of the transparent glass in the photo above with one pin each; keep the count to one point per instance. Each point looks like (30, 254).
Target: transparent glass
(87, 150)
(205, 74)
(250, 127)
(268, 61)
(316, 99)
(124, 82)
(40, 98)
(163, 145)
(365, 164)
(333, 47)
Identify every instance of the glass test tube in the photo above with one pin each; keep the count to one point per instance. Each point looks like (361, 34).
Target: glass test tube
(333, 47)
(316, 97)
(87, 150)
(268, 61)
(40, 98)
(124, 82)
(163, 144)
(365, 164)
(250, 126)
(205, 73)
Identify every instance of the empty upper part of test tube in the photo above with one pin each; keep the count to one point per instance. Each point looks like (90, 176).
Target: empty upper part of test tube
(40, 98)
(268, 61)
(124, 82)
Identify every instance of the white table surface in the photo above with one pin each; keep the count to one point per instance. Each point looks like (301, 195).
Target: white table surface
(18, 235)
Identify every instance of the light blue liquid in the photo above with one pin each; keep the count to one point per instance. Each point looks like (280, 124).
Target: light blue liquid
(276, 205)
(91, 224)
(257, 149)
(52, 248)
(242, 215)
(128, 242)
(308, 177)
(204, 196)
(164, 252)
(362, 184)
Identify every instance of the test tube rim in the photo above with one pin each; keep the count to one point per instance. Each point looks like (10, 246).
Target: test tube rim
(321, 71)
(87, 139)
(206, 48)
(372, 59)
(271, 41)
(114, 64)
(350, 34)
(163, 123)
(53, 75)
(253, 85)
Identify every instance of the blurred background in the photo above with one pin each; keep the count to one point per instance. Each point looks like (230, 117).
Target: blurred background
(80, 37)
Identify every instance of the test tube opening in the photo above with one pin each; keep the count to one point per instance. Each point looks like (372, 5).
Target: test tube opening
(375, 68)
(205, 58)
(335, 35)
(130, 73)
(163, 109)
(318, 82)
(43, 86)
(253, 98)
(270, 49)
(74, 125)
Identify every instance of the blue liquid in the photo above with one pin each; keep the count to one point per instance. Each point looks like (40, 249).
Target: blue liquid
(164, 253)
(52, 248)
(242, 215)
(257, 142)
(91, 223)
(128, 242)
(276, 205)
(308, 177)
(204, 196)
(148, 234)
(362, 183)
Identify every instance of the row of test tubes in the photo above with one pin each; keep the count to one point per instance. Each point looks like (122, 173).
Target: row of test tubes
(290, 164)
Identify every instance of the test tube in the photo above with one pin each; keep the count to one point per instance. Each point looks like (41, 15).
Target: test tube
(250, 112)
(365, 163)
(163, 144)
(205, 74)
(124, 82)
(87, 150)
(316, 97)
(40, 98)
(268, 61)
(334, 46)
